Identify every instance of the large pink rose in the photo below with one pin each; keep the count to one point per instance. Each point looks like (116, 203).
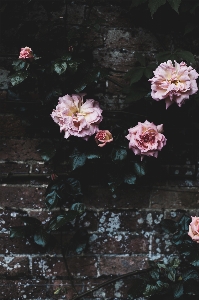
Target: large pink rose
(26, 53)
(194, 229)
(173, 83)
(146, 139)
(77, 118)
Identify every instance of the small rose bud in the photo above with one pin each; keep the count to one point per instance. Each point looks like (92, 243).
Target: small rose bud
(103, 137)
(26, 53)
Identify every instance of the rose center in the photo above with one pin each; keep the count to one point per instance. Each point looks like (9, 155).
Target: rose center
(101, 135)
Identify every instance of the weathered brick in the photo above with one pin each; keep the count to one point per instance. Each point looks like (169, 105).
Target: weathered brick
(78, 266)
(14, 266)
(162, 245)
(121, 264)
(22, 196)
(14, 168)
(19, 149)
(11, 126)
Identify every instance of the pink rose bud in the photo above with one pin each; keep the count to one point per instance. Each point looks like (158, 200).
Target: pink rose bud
(145, 139)
(26, 53)
(103, 137)
(194, 229)
(174, 83)
(76, 117)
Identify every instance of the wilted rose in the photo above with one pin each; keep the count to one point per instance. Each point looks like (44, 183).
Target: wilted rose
(26, 53)
(103, 137)
(77, 118)
(174, 83)
(194, 229)
(146, 139)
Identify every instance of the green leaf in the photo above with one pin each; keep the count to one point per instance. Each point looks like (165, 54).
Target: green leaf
(135, 3)
(140, 169)
(18, 64)
(60, 67)
(130, 178)
(163, 56)
(31, 221)
(18, 77)
(194, 258)
(62, 219)
(92, 155)
(137, 287)
(17, 231)
(73, 187)
(52, 199)
(190, 274)
(155, 274)
(141, 58)
(42, 237)
(171, 274)
(77, 159)
(118, 154)
(79, 207)
(175, 4)
(80, 241)
(169, 226)
(148, 72)
(154, 5)
(135, 74)
(184, 223)
(135, 94)
(178, 290)
(46, 150)
(186, 55)
(189, 27)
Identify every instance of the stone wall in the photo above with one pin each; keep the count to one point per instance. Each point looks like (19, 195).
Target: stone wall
(124, 231)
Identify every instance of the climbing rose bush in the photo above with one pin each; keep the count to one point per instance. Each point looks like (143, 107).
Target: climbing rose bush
(194, 229)
(76, 117)
(26, 53)
(174, 83)
(103, 137)
(146, 139)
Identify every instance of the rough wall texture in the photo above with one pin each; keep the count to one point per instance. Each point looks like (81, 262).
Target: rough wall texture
(124, 232)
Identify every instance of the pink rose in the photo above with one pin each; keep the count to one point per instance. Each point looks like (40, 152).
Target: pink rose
(194, 229)
(26, 53)
(103, 137)
(77, 118)
(173, 83)
(146, 139)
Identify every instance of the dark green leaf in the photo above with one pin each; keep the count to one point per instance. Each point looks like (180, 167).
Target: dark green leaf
(60, 67)
(171, 274)
(148, 72)
(190, 274)
(140, 169)
(178, 290)
(130, 178)
(18, 231)
(92, 155)
(141, 58)
(168, 225)
(66, 57)
(135, 74)
(154, 5)
(52, 199)
(46, 150)
(62, 219)
(80, 241)
(194, 258)
(79, 207)
(189, 27)
(77, 159)
(186, 55)
(31, 221)
(42, 237)
(175, 4)
(18, 77)
(155, 274)
(73, 187)
(135, 94)
(178, 237)
(137, 287)
(118, 154)
(18, 64)
(135, 3)
(184, 223)
(163, 56)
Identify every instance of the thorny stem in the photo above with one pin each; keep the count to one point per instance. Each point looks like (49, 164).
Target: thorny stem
(137, 272)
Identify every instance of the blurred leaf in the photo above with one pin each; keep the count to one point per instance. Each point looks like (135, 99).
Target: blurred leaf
(60, 67)
(154, 5)
(140, 169)
(190, 274)
(46, 150)
(79, 207)
(148, 72)
(171, 274)
(186, 55)
(163, 56)
(135, 3)
(118, 154)
(92, 155)
(130, 179)
(178, 290)
(184, 223)
(31, 221)
(175, 4)
(18, 64)
(42, 237)
(155, 274)
(135, 74)
(136, 93)
(77, 159)
(18, 77)
(62, 219)
(52, 199)
(18, 231)
(194, 258)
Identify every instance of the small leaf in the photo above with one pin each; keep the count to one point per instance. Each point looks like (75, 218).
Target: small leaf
(118, 154)
(60, 67)
(184, 223)
(18, 77)
(172, 274)
(62, 219)
(175, 4)
(178, 290)
(52, 199)
(135, 74)
(46, 150)
(194, 258)
(135, 3)
(186, 55)
(190, 274)
(92, 155)
(140, 169)
(79, 207)
(154, 5)
(73, 187)
(77, 159)
(42, 237)
(130, 179)
(17, 231)
(18, 64)
(136, 94)
(155, 274)
(189, 27)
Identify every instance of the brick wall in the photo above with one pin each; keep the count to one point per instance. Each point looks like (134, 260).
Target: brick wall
(124, 231)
